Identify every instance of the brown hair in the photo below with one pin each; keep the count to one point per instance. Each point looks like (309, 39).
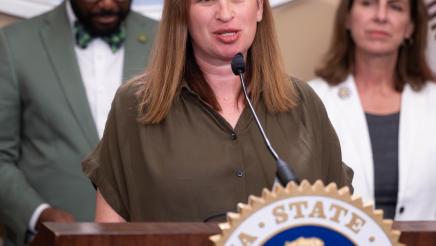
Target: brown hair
(172, 61)
(411, 66)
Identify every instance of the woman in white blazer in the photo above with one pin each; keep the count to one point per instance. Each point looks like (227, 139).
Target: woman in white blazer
(380, 96)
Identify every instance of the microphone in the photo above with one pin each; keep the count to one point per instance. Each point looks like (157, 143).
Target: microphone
(284, 173)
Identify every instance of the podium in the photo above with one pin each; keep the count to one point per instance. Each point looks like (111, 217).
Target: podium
(414, 233)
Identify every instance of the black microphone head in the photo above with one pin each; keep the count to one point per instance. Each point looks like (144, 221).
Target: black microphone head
(238, 64)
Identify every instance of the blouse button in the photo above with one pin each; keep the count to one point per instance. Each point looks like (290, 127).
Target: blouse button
(233, 136)
(401, 210)
(240, 173)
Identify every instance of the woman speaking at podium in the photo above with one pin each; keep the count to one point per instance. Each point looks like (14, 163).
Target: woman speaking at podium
(180, 143)
(380, 97)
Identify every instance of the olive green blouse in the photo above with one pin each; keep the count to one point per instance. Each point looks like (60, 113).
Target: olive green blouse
(194, 164)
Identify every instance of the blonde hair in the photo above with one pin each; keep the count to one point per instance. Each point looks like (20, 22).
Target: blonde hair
(172, 62)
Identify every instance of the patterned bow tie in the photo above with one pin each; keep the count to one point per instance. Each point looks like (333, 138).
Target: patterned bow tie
(114, 40)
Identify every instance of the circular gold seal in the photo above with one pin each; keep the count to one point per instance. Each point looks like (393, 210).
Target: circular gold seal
(306, 214)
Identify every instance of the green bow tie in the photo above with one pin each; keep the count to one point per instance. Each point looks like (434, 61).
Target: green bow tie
(114, 40)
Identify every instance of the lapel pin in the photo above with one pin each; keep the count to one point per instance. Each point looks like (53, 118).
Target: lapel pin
(142, 38)
(344, 92)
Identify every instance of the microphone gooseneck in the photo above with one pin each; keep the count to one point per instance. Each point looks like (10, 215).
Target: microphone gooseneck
(284, 173)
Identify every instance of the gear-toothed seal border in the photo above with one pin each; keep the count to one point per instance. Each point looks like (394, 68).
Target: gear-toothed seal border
(234, 220)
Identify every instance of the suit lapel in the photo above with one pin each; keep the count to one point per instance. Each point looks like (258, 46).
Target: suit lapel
(353, 131)
(138, 44)
(412, 108)
(56, 36)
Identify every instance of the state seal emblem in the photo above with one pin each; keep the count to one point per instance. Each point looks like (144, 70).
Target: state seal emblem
(306, 214)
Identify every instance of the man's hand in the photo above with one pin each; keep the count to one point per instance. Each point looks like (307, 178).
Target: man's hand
(54, 215)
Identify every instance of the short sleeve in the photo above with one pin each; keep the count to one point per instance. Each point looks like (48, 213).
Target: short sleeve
(328, 143)
(104, 165)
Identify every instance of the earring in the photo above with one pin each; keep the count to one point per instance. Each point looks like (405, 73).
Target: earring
(408, 42)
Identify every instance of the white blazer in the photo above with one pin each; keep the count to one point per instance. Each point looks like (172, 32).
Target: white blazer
(417, 145)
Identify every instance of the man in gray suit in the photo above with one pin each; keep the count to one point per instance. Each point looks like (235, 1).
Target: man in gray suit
(58, 74)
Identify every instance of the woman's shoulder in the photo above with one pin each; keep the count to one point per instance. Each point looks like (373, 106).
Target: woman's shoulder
(427, 90)
(430, 86)
(307, 97)
(301, 87)
(127, 93)
(306, 90)
(125, 102)
(427, 94)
